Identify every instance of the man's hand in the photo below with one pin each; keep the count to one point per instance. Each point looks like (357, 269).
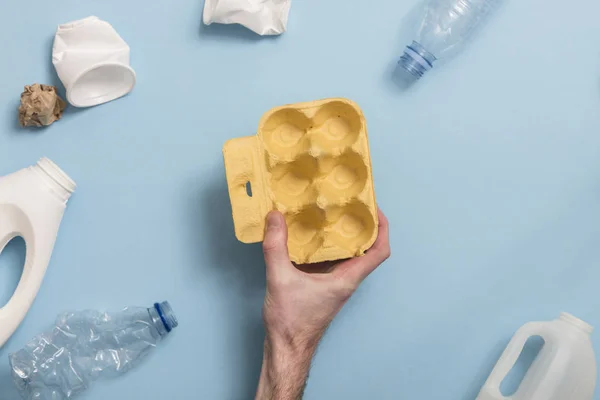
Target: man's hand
(300, 303)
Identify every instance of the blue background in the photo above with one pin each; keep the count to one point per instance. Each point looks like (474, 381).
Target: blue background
(488, 169)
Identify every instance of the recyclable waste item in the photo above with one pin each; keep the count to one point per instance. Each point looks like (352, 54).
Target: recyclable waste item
(40, 106)
(445, 27)
(92, 61)
(310, 161)
(32, 204)
(83, 346)
(565, 368)
(265, 17)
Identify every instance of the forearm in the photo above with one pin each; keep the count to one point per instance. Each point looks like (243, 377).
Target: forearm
(284, 371)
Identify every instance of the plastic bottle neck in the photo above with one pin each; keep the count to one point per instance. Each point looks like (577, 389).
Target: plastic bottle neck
(59, 182)
(163, 318)
(415, 62)
(576, 323)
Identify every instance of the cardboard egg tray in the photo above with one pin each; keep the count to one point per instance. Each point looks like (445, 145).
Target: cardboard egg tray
(310, 161)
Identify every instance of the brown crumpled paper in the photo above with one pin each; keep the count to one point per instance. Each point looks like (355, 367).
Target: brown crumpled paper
(40, 106)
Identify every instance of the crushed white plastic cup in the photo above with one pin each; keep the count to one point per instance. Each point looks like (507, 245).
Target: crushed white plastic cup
(265, 17)
(92, 61)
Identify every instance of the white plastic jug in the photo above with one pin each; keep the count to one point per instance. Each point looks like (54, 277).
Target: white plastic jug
(565, 368)
(32, 204)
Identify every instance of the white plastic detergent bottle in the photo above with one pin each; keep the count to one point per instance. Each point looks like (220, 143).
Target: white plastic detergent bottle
(32, 204)
(564, 369)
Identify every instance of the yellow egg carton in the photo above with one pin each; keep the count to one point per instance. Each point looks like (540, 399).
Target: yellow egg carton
(310, 161)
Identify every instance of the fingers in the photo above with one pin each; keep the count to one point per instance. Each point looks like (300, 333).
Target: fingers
(275, 242)
(318, 268)
(357, 269)
(381, 247)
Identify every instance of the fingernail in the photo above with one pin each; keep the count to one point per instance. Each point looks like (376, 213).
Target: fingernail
(273, 220)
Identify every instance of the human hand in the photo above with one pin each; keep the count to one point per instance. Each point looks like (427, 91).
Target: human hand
(301, 302)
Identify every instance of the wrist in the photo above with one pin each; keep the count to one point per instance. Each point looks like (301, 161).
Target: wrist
(284, 371)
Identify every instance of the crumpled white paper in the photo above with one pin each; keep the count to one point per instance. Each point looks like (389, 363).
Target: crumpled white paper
(265, 17)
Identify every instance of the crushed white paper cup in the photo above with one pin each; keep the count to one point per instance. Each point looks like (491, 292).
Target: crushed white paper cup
(265, 17)
(92, 61)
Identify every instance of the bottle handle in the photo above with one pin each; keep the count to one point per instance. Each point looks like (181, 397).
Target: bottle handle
(14, 311)
(508, 360)
(6, 324)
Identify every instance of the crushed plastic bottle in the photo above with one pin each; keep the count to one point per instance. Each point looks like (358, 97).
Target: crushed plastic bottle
(83, 346)
(445, 27)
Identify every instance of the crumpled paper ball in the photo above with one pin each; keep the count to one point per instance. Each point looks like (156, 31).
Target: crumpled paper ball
(40, 106)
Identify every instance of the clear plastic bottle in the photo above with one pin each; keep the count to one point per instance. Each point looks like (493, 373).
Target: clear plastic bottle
(61, 363)
(445, 27)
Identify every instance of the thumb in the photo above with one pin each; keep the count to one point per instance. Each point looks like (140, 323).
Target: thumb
(275, 242)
